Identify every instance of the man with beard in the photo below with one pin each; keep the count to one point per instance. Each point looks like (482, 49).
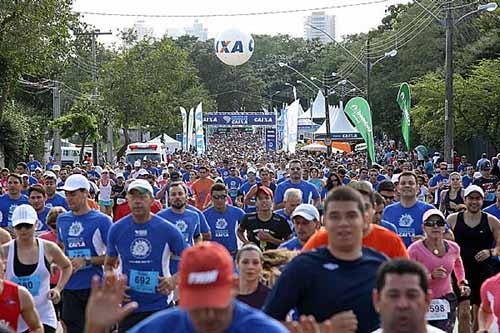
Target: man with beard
(309, 192)
(142, 243)
(186, 221)
(475, 232)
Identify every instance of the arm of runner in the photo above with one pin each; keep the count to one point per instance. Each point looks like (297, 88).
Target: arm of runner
(161, 193)
(249, 197)
(241, 234)
(64, 265)
(4, 236)
(265, 236)
(485, 313)
(110, 263)
(29, 312)
(452, 220)
(495, 228)
(442, 206)
(167, 284)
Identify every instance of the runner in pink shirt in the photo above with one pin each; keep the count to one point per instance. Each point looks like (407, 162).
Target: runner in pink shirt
(441, 257)
(489, 312)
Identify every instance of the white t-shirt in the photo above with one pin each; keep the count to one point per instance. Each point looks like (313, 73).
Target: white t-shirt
(430, 329)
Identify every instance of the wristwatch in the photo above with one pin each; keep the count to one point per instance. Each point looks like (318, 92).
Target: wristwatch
(88, 261)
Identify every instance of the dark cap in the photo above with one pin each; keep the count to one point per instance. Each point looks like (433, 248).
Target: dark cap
(386, 185)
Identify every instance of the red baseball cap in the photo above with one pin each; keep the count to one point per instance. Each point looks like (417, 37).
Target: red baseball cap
(206, 277)
(264, 189)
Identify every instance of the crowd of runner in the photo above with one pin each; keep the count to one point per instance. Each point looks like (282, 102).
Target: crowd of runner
(241, 239)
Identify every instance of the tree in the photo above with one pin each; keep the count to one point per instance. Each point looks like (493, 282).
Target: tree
(81, 121)
(33, 36)
(476, 99)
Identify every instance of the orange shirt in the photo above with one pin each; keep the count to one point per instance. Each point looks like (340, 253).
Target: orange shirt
(379, 239)
(201, 189)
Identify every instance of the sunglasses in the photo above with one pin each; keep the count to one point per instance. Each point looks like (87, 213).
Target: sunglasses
(434, 223)
(23, 226)
(388, 197)
(218, 197)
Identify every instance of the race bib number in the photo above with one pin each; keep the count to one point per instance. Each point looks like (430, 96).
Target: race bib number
(439, 310)
(144, 282)
(32, 283)
(80, 253)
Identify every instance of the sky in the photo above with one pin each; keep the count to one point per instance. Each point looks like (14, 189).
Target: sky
(348, 20)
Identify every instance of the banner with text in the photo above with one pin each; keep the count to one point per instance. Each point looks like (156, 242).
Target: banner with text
(238, 119)
(358, 110)
(271, 137)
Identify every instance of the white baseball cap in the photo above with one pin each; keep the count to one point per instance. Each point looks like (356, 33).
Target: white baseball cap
(433, 212)
(307, 211)
(141, 185)
(137, 164)
(76, 182)
(142, 172)
(473, 188)
(24, 214)
(56, 167)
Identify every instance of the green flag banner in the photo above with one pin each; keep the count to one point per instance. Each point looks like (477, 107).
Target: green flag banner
(404, 101)
(358, 110)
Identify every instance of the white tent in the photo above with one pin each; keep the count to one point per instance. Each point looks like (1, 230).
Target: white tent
(305, 115)
(340, 127)
(170, 143)
(318, 107)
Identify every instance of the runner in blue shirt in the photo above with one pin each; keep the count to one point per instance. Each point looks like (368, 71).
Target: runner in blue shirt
(407, 214)
(494, 209)
(306, 281)
(204, 228)
(305, 221)
(206, 302)
(245, 188)
(144, 244)
(292, 199)
(233, 183)
(10, 200)
(53, 199)
(309, 193)
(83, 233)
(223, 219)
(22, 169)
(33, 164)
(439, 182)
(36, 198)
(185, 220)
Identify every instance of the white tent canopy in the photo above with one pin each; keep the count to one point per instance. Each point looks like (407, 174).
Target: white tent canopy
(305, 115)
(339, 124)
(170, 143)
(318, 107)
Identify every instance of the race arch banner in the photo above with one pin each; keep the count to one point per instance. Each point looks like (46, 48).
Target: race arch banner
(238, 119)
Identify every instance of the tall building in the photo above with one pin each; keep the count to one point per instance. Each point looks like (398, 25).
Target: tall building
(142, 29)
(197, 31)
(321, 21)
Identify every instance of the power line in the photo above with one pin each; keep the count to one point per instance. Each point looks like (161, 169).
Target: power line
(273, 12)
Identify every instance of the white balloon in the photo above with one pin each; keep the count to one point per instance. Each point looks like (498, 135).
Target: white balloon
(234, 47)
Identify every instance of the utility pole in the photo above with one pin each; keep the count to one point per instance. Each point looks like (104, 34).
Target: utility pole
(109, 130)
(56, 113)
(328, 139)
(448, 104)
(368, 70)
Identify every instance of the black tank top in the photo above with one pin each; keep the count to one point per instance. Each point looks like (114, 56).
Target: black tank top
(458, 201)
(21, 269)
(472, 240)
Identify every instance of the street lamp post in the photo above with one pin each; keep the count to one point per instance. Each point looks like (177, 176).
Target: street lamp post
(449, 22)
(293, 89)
(328, 139)
(271, 99)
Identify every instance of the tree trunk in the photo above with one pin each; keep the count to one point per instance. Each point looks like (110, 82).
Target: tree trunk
(82, 149)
